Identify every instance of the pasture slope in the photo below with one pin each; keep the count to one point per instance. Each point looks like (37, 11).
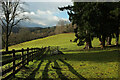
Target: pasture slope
(75, 64)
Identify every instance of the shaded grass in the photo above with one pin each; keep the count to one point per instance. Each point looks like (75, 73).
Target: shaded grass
(45, 72)
(58, 71)
(72, 70)
(32, 75)
(96, 56)
(74, 65)
(93, 63)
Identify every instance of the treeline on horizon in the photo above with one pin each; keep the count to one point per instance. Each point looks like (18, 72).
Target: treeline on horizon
(23, 34)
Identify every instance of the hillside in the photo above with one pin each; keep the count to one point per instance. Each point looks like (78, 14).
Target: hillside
(24, 34)
(76, 63)
(61, 40)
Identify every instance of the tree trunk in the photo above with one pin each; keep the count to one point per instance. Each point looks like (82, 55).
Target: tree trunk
(103, 42)
(7, 45)
(117, 38)
(7, 27)
(109, 39)
(6, 42)
(88, 43)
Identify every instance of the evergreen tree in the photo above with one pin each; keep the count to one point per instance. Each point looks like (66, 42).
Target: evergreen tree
(94, 20)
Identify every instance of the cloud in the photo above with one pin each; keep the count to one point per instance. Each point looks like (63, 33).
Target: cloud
(44, 6)
(46, 13)
(43, 13)
(45, 18)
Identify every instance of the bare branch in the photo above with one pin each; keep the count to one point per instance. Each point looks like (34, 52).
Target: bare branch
(2, 22)
(20, 20)
(3, 40)
(14, 11)
(4, 6)
(15, 23)
(2, 27)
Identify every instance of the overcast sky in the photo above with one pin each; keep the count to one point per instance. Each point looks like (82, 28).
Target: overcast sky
(46, 13)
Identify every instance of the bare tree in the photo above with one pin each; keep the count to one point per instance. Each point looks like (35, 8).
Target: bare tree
(61, 26)
(61, 23)
(10, 16)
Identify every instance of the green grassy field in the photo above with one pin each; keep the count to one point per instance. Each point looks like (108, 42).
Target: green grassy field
(76, 64)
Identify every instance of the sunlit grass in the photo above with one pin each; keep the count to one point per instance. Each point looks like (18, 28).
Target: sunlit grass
(61, 40)
(93, 63)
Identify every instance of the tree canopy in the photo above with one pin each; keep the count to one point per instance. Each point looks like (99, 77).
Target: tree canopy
(94, 19)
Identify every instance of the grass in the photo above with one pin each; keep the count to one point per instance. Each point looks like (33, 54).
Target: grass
(62, 40)
(76, 63)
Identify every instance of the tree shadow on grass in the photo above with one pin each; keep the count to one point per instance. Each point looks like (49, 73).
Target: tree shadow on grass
(32, 75)
(96, 48)
(103, 56)
(73, 70)
(58, 71)
(45, 72)
(96, 56)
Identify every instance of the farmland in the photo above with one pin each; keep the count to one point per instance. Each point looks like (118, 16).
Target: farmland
(75, 63)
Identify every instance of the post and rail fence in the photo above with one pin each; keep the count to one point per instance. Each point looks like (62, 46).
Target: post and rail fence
(25, 56)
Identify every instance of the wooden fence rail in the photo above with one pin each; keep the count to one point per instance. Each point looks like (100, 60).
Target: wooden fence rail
(24, 55)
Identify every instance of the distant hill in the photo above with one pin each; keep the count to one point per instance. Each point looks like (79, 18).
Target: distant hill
(23, 34)
(31, 24)
(31, 29)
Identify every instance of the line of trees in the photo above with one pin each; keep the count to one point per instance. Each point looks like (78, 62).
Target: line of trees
(95, 19)
(63, 27)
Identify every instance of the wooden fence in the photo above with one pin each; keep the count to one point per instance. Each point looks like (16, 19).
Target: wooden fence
(25, 55)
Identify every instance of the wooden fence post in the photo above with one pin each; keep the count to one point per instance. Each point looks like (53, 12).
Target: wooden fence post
(22, 58)
(49, 50)
(32, 54)
(13, 63)
(57, 47)
(27, 56)
(35, 53)
(38, 51)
